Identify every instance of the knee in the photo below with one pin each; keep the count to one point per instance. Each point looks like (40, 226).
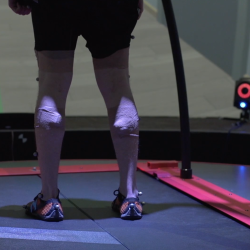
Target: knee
(48, 118)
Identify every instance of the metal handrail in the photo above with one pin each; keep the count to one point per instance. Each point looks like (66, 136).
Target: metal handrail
(186, 171)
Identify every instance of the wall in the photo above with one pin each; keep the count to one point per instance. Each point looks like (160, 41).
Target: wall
(217, 29)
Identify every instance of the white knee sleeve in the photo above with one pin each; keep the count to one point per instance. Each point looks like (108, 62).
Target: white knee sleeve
(48, 117)
(124, 118)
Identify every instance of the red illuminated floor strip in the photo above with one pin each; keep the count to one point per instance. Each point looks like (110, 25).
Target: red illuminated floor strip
(167, 171)
(62, 169)
(219, 198)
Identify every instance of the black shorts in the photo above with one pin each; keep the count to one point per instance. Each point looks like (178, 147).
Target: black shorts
(106, 25)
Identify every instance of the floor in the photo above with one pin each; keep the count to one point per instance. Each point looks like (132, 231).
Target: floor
(210, 90)
(171, 220)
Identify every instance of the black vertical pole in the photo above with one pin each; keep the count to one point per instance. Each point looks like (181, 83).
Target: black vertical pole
(186, 171)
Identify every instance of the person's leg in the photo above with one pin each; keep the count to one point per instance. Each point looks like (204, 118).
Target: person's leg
(55, 76)
(112, 76)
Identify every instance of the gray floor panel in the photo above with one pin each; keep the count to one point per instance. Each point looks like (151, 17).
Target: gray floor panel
(20, 191)
(234, 178)
(23, 189)
(172, 220)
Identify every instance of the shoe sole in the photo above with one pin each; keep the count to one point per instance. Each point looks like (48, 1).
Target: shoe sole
(55, 216)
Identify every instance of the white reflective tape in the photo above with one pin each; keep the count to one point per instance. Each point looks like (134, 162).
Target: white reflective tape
(56, 235)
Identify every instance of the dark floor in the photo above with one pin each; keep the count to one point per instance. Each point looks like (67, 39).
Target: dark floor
(158, 123)
(171, 220)
(8, 121)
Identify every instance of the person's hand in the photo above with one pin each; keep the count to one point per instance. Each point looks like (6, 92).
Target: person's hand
(18, 9)
(140, 6)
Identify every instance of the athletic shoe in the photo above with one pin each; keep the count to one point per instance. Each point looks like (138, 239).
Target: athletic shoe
(129, 208)
(50, 210)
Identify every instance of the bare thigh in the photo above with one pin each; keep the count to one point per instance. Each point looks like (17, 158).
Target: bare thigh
(55, 61)
(112, 76)
(55, 76)
(120, 59)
